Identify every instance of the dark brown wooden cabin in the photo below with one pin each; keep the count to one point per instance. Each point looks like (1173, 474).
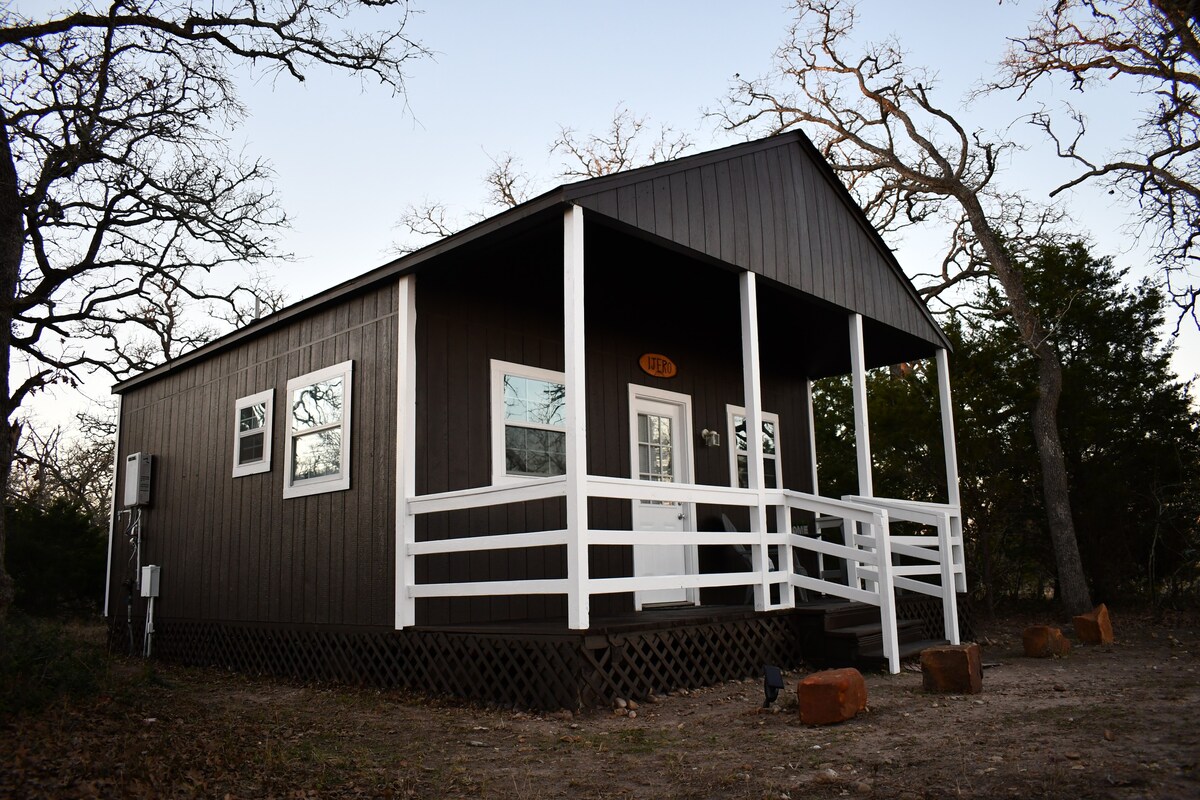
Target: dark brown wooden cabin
(391, 481)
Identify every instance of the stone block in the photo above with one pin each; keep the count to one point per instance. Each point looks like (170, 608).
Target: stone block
(952, 669)
(834, 695)
(1094, 627)
(1042, 641)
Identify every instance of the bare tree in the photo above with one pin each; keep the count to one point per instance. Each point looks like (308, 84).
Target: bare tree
(116, 175)
(1154, 46)
(910, 160)
(622, 146)
(619, 148)
(54, 465)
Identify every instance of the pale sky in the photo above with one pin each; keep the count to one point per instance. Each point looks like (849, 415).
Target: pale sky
(349, 158)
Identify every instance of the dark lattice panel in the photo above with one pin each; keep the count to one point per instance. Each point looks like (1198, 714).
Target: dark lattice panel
(638, 664)
(929, 611)
(545, 671)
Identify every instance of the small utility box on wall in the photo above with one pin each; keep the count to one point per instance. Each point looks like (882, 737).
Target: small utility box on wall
(150, 580)
(137, 479)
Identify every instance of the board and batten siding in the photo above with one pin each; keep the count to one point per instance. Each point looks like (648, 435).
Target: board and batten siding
(234, 549)
(773, 210)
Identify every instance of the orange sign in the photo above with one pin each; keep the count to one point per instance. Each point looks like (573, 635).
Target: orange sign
(657, 365)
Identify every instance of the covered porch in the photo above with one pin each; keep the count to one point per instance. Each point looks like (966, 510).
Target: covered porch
(790, 539)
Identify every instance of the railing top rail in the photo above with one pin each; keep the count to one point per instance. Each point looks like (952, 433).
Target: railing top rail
(907, 511)
(627, 488)
(499, 494)
(803, 501)
(897, 502)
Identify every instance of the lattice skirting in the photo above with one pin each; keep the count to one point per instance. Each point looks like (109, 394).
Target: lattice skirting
(543, 670)
(539, 670)
(929, 611)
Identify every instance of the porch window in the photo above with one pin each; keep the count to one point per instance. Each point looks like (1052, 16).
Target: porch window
(738, 452)
(318, 442)
(529, 431)
(252, 434)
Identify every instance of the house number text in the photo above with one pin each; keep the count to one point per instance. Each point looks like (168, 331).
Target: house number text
(657, 365)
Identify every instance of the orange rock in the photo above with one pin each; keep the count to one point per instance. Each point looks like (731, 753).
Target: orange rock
(952, 669)
(1042, 641)
(834, 695)
(1094, 627)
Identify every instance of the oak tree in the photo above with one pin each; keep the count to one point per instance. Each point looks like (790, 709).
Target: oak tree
(909, 159)
(117, 176)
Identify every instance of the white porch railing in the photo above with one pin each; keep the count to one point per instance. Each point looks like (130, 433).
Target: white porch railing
(871, 577)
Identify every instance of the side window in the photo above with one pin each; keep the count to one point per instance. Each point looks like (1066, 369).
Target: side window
(252, 434)
(528, 422)
(318, 440)
(739, 453)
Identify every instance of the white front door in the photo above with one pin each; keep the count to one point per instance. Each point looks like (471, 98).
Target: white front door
(660, 429)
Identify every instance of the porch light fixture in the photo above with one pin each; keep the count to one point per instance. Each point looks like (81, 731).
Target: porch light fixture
(711, 438)
(772, 683)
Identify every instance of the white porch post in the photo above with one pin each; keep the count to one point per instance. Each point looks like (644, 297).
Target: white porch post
(943, 371)
(406, 449)
(812, 434)
(862, 435)
(755, 469)
(954, 576)
(578, 597)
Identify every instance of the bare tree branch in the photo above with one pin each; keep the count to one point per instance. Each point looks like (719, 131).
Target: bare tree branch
(1154, 45)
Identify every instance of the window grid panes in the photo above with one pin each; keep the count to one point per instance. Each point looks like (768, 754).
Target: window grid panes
(252, 434)
(251, 420)
(770, 479)
(534, 425)
(318, 441)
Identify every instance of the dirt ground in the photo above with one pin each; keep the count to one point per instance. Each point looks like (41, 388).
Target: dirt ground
(1105, 722)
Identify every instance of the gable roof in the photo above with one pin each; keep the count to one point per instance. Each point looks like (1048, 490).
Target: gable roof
(772, 206)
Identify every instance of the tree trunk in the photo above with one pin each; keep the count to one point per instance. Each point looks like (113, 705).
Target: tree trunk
(12, 239)
(1056, 496)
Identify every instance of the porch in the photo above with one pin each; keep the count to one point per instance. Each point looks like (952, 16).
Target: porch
(785, 535)
(853, 533)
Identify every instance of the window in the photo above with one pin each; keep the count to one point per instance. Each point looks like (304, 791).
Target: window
(252, 434)
(529, 433)
(739, 453)
(318, 441)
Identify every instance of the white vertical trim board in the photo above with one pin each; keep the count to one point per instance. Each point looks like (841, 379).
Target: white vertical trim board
(112, 505)
(406, 449)
(578, 600)
(812, 433)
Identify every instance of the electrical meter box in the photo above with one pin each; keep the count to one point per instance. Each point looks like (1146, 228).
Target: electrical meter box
(137, 479)
(150, 580)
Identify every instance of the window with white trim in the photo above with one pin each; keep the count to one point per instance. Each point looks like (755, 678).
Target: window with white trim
(252, 433)
(529, 425)
(739, 453)
(318, 442)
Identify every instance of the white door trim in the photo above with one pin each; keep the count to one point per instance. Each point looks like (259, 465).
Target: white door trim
(684, 474)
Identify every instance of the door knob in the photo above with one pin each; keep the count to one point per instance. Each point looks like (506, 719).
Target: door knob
(681, 515)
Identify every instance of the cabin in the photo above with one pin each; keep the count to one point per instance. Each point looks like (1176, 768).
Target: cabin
(563, 455)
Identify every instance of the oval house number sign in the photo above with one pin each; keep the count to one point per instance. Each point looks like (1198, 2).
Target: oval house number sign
(657, 365)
